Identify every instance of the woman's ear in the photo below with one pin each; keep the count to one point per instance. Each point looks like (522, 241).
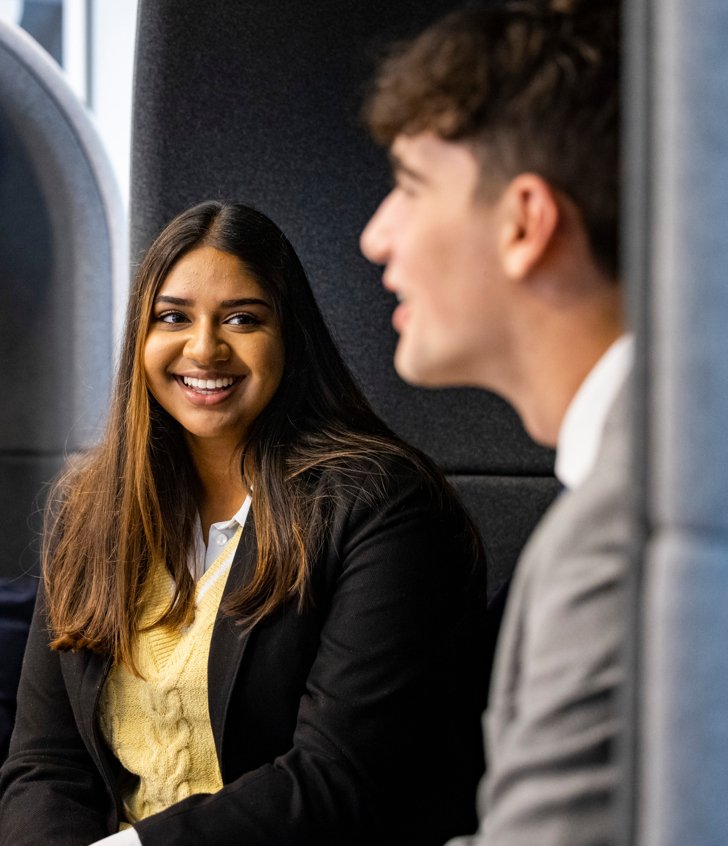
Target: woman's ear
(531, 216)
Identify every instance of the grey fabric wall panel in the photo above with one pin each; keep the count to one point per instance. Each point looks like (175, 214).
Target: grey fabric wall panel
(259, 102)
(62, 245)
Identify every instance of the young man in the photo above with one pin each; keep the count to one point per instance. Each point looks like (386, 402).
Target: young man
(499, 239)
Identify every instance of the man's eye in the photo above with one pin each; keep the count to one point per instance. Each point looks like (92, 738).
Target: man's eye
(405, 186)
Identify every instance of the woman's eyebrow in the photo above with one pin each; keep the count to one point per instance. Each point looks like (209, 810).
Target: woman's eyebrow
(237, 303)
(244, 301)
(165, 298)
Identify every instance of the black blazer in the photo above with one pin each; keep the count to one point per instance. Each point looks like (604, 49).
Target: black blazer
(354, 721)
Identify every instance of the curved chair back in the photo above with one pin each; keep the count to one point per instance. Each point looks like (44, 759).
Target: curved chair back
(62, 250)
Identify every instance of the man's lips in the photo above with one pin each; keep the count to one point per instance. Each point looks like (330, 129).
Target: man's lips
(388, 284)
(400, 315)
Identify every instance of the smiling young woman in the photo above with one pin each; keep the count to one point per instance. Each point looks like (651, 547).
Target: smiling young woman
(264, 610)
(213, 356)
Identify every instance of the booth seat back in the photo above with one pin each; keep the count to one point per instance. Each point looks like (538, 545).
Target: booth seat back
(259, 102)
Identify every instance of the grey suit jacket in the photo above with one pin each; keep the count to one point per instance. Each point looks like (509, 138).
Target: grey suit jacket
(552, 721)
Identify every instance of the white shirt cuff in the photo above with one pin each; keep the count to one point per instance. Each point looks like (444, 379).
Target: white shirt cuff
(128, 837)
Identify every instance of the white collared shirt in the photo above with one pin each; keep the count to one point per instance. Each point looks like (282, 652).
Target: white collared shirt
(581, 430)
(201, 557)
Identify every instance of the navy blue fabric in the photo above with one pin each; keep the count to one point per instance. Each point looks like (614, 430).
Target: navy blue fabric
(17, 599)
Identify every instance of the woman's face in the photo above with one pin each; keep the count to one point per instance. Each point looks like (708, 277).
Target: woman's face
(213, 357)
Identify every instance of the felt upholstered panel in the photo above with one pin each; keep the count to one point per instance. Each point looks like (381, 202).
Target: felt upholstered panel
(504, 508)
(259, 102)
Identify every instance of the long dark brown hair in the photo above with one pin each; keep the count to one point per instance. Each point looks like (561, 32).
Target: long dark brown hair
(132, 499)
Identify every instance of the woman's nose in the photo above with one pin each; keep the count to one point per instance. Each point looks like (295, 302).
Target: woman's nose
(205, 344)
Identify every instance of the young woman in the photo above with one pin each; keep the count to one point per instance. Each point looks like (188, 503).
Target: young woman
(260, 614)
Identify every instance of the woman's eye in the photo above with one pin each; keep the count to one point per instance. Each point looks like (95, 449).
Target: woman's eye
(243, 318)
(171, 317)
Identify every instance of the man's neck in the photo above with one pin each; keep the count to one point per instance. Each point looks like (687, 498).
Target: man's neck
(550, 366)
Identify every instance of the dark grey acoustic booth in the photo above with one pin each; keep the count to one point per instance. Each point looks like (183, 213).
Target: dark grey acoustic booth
(254, 101)
(259, 102)
(62, 250)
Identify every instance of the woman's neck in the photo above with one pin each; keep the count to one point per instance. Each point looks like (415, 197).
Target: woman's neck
(222, 489)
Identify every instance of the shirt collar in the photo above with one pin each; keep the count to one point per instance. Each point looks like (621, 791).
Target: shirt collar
(199, 553)
(581, 430)
(240, 516)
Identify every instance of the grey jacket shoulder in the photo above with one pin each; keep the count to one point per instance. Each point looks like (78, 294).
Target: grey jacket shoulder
(552, 720)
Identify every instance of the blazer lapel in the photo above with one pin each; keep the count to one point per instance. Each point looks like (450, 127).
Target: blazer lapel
(84, 673)
(229, 639)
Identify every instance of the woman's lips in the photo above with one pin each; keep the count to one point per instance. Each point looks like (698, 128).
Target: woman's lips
(198, 393)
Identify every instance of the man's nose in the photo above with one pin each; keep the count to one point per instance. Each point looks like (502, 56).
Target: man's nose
(374, 239)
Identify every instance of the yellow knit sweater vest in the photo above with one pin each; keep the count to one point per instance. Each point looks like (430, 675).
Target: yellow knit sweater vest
(158, 726)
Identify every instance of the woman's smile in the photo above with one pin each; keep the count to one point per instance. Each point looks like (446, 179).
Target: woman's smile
(213, 356)
(208, 390)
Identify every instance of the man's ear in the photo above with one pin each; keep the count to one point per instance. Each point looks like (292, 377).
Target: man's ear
(531, 216)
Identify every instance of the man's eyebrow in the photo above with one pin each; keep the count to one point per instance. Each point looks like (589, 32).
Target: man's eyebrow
(399, 167)
(237, 303)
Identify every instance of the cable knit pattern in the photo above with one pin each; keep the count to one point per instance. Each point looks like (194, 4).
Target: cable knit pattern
(158, 726)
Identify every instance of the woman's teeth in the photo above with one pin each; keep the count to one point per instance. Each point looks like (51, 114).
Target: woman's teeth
(208, 384)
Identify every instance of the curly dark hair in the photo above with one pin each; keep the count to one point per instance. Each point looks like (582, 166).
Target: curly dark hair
(532, 86)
